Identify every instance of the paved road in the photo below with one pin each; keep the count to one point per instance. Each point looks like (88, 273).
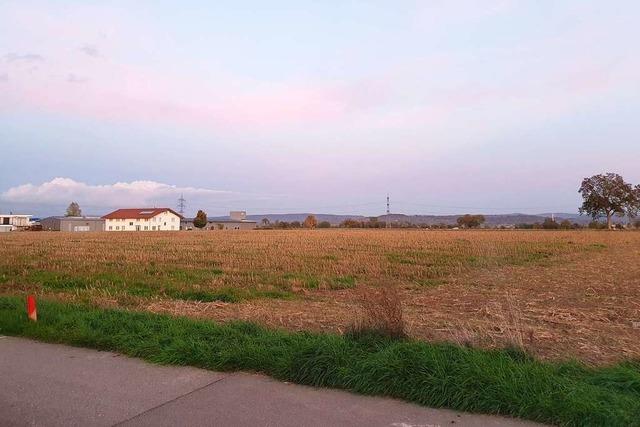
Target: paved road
(54, 385)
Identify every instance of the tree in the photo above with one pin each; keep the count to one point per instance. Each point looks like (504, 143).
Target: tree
(324, 224)
(266, 222)
(608, 195)
(566, 225)
(73, 209)
(550, 224)
(633, 207)
(310, 222)
(471, 221)
(200, 221)
(351, 223)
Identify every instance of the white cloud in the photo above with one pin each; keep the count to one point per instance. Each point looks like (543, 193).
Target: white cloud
(61, 191)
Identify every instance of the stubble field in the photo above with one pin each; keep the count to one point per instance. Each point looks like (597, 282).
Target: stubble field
(557, 294)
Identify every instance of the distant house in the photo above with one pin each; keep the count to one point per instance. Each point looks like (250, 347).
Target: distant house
(142, 219)
(237, 220)
(72, 223)
(12, 222)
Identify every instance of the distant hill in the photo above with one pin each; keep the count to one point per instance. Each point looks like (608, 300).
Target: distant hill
(491, 220)
(333, 219)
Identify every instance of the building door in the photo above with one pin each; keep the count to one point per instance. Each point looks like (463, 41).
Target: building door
(137, 228)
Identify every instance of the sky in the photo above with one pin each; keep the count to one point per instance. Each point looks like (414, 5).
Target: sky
(290, 106)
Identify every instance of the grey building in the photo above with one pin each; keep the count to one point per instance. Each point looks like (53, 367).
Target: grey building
(72, 223)
(237, 220)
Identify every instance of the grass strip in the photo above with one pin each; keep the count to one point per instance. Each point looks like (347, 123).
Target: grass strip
(437, 375)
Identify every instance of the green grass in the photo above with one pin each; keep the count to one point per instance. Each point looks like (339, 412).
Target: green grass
(440, 263)
(309, 281)
(343, 282)
(181, 284)
(438, 375)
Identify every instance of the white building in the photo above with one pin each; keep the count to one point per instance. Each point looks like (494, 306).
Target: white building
(13, 222)
(145, 219)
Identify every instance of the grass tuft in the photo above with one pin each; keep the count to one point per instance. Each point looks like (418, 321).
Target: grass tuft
(381, 312)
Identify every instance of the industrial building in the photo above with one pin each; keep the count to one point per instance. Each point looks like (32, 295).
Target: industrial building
(142, 219)
(12, 222)
(72, 223)
(237, 220)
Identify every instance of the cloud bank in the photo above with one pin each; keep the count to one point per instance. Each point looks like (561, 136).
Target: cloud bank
(61, 191)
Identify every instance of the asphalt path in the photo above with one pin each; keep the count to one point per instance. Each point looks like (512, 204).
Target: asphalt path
(55, 385)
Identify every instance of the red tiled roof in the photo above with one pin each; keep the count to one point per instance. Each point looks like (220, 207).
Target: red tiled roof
(140, 213)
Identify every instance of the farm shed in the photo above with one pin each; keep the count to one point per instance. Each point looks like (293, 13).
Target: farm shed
(72, 223)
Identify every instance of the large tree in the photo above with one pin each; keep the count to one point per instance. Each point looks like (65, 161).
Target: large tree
(310, 222)
(73, 209)
(471, 221)
(200, 221)
(608, 195)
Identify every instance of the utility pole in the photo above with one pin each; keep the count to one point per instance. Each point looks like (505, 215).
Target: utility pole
(181, 205)
(388, 222)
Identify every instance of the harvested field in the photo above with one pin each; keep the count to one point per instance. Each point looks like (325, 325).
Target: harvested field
(558, 294)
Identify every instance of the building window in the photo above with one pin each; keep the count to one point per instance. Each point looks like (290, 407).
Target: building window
(146, 228)
(172, 227)
(117, 227)
(131, 223)
(110, 227)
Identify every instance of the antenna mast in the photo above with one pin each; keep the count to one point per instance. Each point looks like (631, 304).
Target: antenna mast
(181, 204)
